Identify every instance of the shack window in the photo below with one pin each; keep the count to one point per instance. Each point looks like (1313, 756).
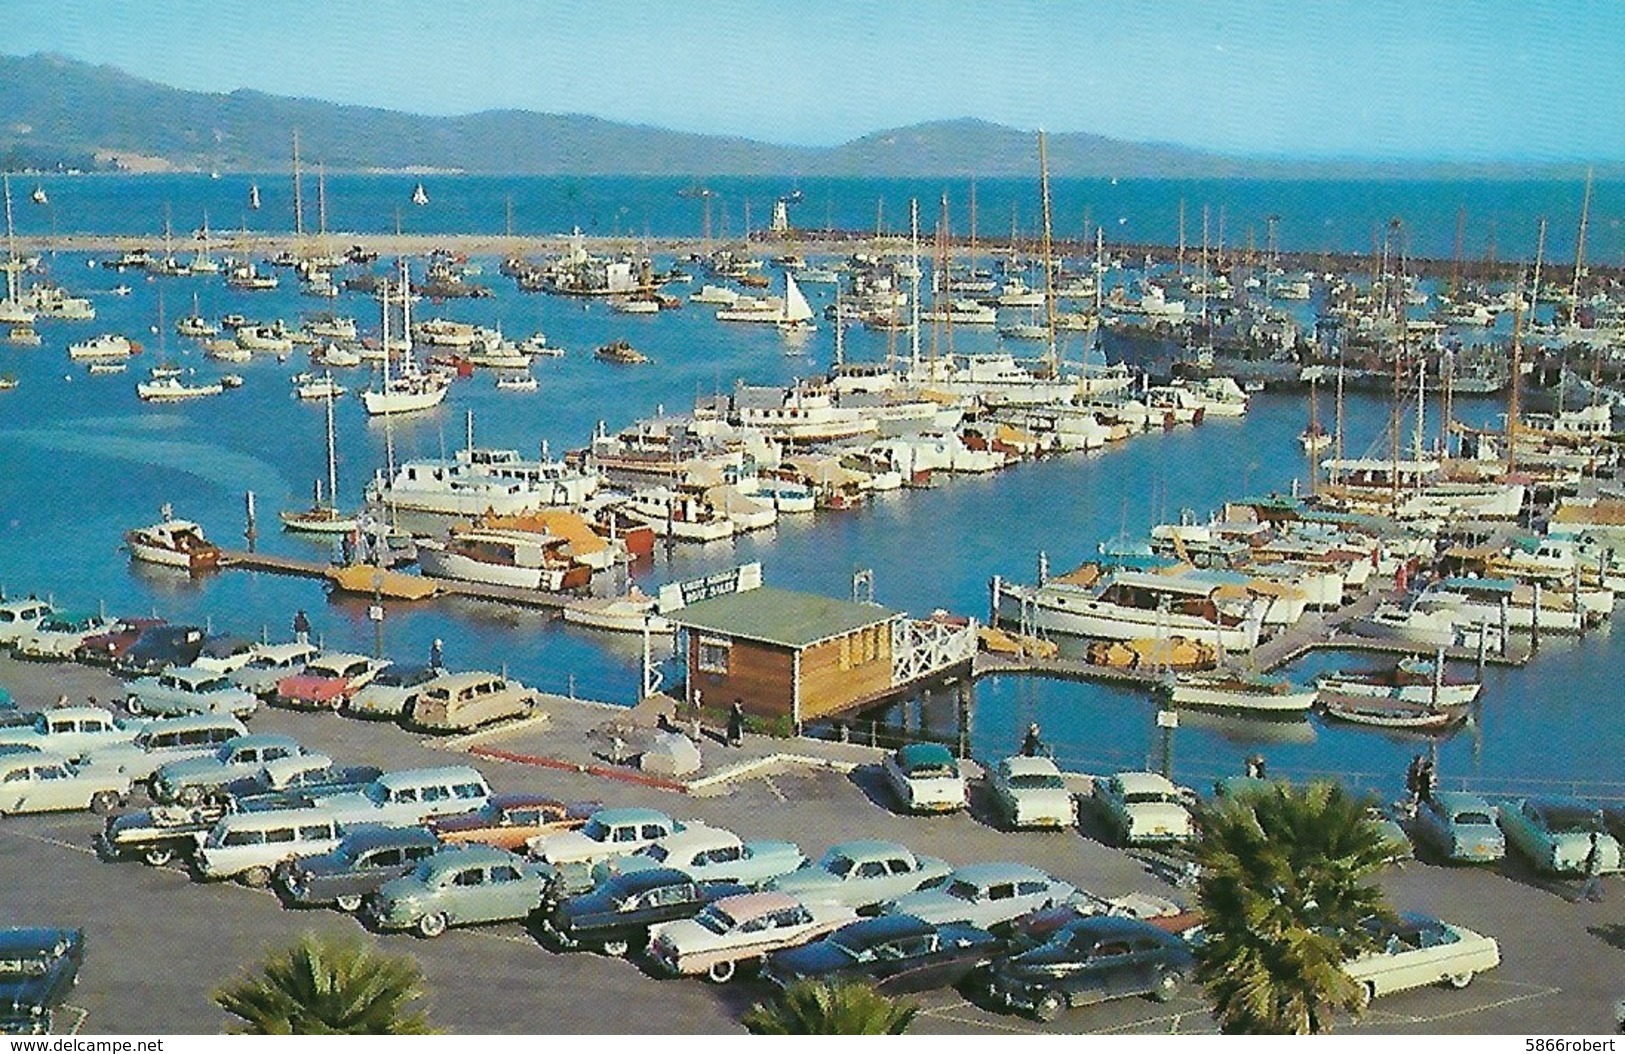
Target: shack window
(713, 655)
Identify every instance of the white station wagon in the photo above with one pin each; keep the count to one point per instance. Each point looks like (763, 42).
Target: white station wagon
(37, 782)
(70, 731)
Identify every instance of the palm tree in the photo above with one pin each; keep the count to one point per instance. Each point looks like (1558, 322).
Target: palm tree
(327, 986)
(819, 1008)
(1284, 890)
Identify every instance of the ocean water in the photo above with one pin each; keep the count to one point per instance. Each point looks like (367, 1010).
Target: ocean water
(1499, 218)
(82, 460)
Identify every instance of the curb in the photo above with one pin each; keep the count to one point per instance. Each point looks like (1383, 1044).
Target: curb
(696, 786)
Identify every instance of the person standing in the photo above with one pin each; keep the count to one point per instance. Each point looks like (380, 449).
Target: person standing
(1031, 744)
(736, 724)
(1591, 888)
(301, 626)
(436, 654)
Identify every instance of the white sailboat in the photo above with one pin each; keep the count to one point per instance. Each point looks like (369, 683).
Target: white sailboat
(413, 390)
(323, 518)
(254, 196)
(13, 312)
(798, 314)
(419, 195)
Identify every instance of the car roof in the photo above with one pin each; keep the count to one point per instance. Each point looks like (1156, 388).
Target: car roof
(1460, 801)
(523, 799)
(1146, 781)
(168, 631)
(455, 681)
(285, 651)
(280, 769)
(295, 814)
(406, 672)
(261, 739)
(339, 658)
(222, 645)
(749, 905)
(649, 878)
(12, 762)
(996, 871)
(1022, 765)
(448, 772)
(887, 927)
(925, 754)
(373, 836)
(189, 722)
(1113, 926)
(870, 847)
(77, 712)
(618, 816)
(470, 854)
(700, 835)
(193, 673)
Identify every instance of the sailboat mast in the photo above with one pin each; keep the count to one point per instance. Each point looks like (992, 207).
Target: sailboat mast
(1517, 379)
(1540, 251)
(914, 299)
(1181, 257)
(298, 197)
(332, 455)
(1579, 256)
(1314, 435)
(1053, 357)
(1399, 361)
(941, 278)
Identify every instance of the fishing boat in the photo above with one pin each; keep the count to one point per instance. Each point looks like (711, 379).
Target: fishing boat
(171, 389)
(621, 352)
(1238, 693)
(523, 559)
(1131, 605)
(1411, 680)
(173, 543)
(634, 305)
(1397, 714)
(273, 338)
(312, 387)
(334, 357)
(517, 381)
(323, 517)
(633, 612)
(679, 514)
(104, 346)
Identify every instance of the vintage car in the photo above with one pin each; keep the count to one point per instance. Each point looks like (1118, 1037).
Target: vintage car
(893, 953)
(157, 835)
(711, 854)
(249, 845)
(392, 693)
(863, 874)
(366, 859)
(1094, 959)
(459, 702)
(1613, 817)
(1143, 808)
(411, 796)
(1038, 927)
(226, 653)
(38, 968)
(510, 821)
(303, 776)
(1416, 950)
(1461, 827)
(327, 681)
(159, 648)
(926, 778)
(190, 780)
(174, 739)
(19, 618)
(984, 895)
(458, 886)
(1555, 833)
(740, 930)
(72, 731)
(270, 664)
(1029, 792)
(189, 690)
(607, 833)
(36, 781)
(58, 636)
(105, 649)
(615, 916)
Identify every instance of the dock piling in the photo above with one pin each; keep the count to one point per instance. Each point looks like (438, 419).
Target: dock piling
(1534, 622)
(251, 532)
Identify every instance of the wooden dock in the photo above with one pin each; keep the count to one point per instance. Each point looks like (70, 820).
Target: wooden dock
(271, 563)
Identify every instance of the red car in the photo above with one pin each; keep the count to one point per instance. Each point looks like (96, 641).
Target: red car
(327, 681)
(105, 649)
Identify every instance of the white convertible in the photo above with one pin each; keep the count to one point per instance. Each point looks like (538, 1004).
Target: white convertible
(1417, 950)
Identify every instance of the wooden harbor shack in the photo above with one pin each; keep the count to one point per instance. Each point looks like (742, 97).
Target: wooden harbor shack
(807, 657)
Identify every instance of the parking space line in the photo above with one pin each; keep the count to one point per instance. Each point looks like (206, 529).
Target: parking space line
(1496, 1005)
(77, 1025)
(47, 840)
(1171, 1019)
(775, 789)
(961, 1019)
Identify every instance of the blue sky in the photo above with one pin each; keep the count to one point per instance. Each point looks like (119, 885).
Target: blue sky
(1480, 79)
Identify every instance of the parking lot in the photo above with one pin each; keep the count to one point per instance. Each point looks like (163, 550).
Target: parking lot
(158, 943)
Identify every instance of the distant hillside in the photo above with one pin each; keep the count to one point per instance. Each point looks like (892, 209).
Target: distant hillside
(57, 112)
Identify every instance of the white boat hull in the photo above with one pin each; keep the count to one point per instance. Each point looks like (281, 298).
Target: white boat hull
(1213, 697)
(402, 402)
(1079, 615)
(439, 562)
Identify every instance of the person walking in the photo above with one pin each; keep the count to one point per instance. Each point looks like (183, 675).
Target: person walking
(301, 626)
(736, 724)
(1591, 888)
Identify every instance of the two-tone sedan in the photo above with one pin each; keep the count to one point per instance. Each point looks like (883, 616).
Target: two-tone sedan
(463, 885)
(1030, 792)
(391, 694)
(189, 780)
(366, 859)
(738, 931)
(863, 874)
(38, 968)
(189, 690)
(107, 648)
(1461, 827)
(985, 895)
(510, 821)
(1144, 808)
(925, 777)
(893, 953)
(615, 917)
(33, 781)
(1415, 950)
(1555, 834)
(711, 854)
(607, 833)
(58, 636)
(327, 681)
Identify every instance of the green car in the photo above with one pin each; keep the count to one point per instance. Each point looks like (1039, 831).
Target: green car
(458, 886)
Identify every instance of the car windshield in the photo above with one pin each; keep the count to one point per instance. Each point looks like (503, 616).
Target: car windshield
(1037, 781)
(596, 830)
(961, 890)
(852, 951)
(837, 865)
(1148, 797)
(219, 684)
(24, 966)
(1474, 819)
(716, 920)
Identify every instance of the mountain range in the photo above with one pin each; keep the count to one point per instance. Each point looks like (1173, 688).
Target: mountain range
(59, 112)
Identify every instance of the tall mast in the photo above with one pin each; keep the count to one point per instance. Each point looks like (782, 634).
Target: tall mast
(332, 456)
(1540, 251)
(1053, 357)
(1399, 359)
(1579, 254)
(321, 199)
(1181, 237)
(1517, 379)
(943, 276)
(1207, 273)
(1314, 434)
(914, 300)
(972, 224)
(298, 197)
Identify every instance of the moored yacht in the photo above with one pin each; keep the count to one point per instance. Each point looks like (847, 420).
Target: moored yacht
(524, 559)
(173, 543)
(1130, 605)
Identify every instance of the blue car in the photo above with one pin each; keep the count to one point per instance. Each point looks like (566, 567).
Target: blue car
(1460, 827)
(38, 968)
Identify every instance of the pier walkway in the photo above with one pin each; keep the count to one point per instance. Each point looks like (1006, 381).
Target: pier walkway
(289, 565)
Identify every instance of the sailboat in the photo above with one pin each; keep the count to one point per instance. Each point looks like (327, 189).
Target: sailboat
(254, 196)
(798, 314)
(39, 195)
(13, 312)
(412, 389)
(323, 518)
(202, 262)
(419, 195)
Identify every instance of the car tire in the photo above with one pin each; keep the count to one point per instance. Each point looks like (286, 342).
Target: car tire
(256, 877)
(1049, 1007)
(189, 796)
(1169, 982)
(1459, 980)
(132, 703)
(432, 925)
(157, 855)
(349, 903)
(617, 948)
(1367, 993)
(721, 972)
(104, 802)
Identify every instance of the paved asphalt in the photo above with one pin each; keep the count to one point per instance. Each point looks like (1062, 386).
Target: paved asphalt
(159, 943)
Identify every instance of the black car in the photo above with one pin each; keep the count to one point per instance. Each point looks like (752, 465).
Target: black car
(616, 916)
(894, 953)
(232, 651)
(38, 968)
(160, 647)
(1094, 959)
(366, 859)
(157, 835)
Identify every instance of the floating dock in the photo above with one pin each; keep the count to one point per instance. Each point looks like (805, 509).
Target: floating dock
(244, 560)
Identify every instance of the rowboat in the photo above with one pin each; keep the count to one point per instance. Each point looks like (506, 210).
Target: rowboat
(1238, 693)
(1380, 712)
